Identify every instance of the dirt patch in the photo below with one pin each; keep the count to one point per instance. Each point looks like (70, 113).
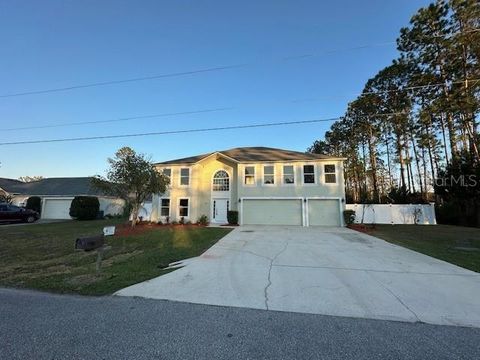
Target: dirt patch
(127, 230)
(58, 269)
(85, 279)
(121, 257)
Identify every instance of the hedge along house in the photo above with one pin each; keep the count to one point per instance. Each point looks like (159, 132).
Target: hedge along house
(267, 186)
(57, 195)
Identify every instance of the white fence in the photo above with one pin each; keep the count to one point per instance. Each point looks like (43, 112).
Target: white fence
(394, 213)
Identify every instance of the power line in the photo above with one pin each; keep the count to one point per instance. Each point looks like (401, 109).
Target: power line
(184, 73)
(171, 132)
(112, 82)
(405, 88)
(119, 119)
(199, 71)
(417, 87)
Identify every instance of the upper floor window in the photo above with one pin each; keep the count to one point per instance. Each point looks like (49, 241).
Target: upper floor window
(309, 174)
(221, 181)
(288, 174)
(330, 174)
(167, 173)
(184, 176)
(269, 175)
(249, 175)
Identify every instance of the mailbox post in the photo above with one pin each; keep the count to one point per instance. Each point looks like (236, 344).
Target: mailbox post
(91, 243)
(96, 242)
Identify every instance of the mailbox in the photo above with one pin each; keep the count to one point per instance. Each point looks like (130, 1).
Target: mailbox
(89, 243)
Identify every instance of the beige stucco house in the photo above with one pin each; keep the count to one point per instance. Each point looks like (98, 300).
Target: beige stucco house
(266, 186)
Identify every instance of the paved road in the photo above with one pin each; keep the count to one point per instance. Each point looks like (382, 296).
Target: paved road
(328, 271)
(44, 326)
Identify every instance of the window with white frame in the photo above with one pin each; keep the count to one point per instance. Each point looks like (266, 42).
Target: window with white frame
(184, 176)
(309, 174)
(249, 175)
(221, 181)
(269, 175)
(288, 174)
(330, 174)
(183, 208)
(165, 207)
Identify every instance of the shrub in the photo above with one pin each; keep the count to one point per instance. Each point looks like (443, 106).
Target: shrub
(349, 216)
(84, 207)
(114, 216)
(182, 221)
(232, 217)
(34, 203)
(203, 220)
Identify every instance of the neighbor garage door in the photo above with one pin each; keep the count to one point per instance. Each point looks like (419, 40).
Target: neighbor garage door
(56, 208)
(272, 212)
(323, 212)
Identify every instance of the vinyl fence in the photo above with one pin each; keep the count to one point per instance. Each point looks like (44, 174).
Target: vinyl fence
(394, 213)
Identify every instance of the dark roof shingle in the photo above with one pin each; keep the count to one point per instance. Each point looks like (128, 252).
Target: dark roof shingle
(70, 186)
(253, 154)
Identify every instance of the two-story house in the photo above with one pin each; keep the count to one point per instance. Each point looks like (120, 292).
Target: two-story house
(266, 186)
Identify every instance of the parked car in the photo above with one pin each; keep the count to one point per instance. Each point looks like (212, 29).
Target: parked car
(12, 213)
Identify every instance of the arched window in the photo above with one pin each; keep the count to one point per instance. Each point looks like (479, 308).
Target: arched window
(221, 181)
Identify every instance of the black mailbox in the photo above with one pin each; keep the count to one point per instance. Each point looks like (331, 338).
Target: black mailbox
(89, 243)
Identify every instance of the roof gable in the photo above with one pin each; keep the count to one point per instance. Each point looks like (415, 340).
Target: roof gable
(252, 154)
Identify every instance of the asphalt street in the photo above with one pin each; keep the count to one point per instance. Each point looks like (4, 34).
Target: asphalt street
(36, 325)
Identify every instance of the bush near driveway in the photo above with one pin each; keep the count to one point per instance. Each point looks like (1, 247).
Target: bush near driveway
(41, 256)
(232, 217)
(84, 207)
(34, 203)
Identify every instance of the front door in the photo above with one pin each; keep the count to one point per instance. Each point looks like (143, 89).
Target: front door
(219, 210)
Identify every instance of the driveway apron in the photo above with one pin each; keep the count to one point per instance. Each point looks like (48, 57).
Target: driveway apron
(322, 270)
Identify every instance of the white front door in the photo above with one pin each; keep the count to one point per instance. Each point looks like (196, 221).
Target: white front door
(219, 210)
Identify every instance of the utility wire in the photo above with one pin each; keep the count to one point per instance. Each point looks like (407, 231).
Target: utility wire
(119, 119)
(184, 73)
(198, 130)
(113, 82)
(417, 87)
(199, 71)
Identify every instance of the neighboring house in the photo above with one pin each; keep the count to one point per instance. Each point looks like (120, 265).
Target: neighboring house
(57, 195)
(265, 185)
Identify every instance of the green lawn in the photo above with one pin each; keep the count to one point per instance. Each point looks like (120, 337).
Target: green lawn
(41, 256)
(438, 241)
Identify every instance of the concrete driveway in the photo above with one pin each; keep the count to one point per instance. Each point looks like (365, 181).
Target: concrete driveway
(330, 271)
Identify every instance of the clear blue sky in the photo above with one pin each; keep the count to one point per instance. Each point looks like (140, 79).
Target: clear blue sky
(49, 44)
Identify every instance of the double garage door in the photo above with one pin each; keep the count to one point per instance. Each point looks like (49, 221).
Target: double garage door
(308, 212)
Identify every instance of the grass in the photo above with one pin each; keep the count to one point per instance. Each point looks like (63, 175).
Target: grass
(42, 256)
(438, 241)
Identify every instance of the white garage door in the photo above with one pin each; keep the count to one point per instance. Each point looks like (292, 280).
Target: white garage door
(272, 212)
(56, 208)
(323, 212)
